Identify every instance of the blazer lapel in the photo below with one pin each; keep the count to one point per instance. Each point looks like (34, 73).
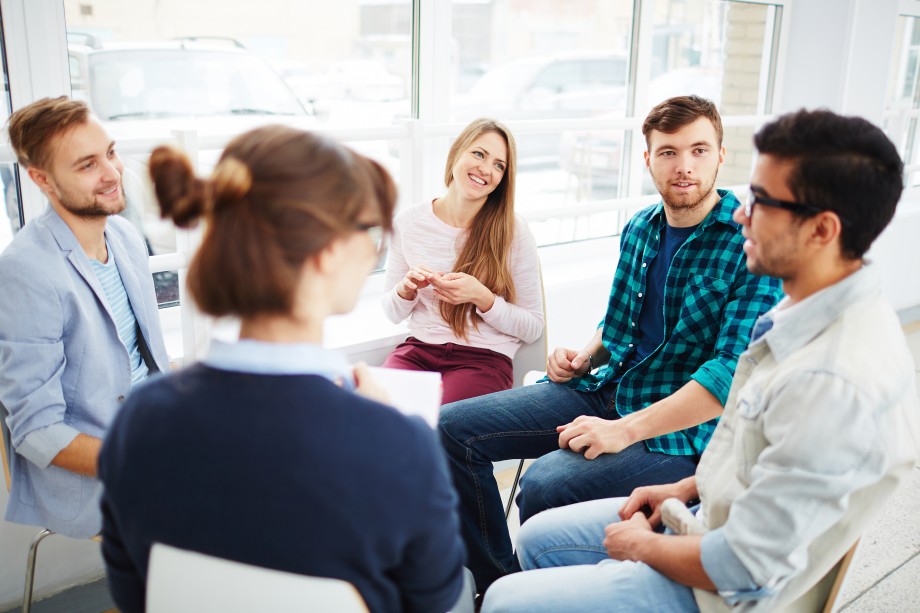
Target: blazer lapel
(75, 255)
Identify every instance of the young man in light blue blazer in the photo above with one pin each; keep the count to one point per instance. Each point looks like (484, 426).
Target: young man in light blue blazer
(78, 317)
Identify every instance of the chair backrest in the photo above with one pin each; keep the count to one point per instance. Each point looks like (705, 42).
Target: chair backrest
(180, 581)
(5, 447)
(532, 356)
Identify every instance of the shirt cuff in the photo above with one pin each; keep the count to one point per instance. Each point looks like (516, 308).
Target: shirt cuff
(732, 580)
(495, 313)
(42, 445)
(716, 378)
(395, 308)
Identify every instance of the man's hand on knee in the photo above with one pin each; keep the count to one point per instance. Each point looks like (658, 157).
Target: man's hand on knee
(594, 436)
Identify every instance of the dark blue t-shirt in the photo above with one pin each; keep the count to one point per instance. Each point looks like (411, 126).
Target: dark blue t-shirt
(651, 317)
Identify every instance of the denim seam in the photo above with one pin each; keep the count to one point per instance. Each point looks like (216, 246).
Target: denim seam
(486, 437)
(588, 548)
(482, 511)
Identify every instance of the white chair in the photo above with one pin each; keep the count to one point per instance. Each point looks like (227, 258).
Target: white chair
(530, 359)
(180, 581)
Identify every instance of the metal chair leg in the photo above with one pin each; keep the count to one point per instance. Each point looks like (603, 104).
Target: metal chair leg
(30, 569)
(517, 477)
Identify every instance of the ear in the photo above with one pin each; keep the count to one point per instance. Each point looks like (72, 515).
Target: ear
(648, 159)
(827, 229)
(40, 178)
(329, 258)
(721, 155)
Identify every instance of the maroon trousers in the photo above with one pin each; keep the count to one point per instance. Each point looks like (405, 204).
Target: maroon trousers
(465, 371)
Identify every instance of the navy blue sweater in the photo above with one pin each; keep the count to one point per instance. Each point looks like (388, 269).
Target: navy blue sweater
(283, 471)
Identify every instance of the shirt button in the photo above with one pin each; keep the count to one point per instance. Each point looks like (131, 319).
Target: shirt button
(633, 324)
(643, 264)
(621, 363)
(640, 294)
(630, 344)
(121, 399)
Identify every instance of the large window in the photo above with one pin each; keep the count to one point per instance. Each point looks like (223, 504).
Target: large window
(722, 51)
(574, 82)
(159, 66)
(573, 79)
(566, 75)
(557, 65)
(11, 218)
(342, 63)
(903, 96)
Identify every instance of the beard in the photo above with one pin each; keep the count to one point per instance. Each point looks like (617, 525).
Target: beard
(687, 201)
(780, 259)
(90, 207)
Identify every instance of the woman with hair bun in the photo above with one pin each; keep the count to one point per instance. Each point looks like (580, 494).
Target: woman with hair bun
(272, 451)
(465, 271)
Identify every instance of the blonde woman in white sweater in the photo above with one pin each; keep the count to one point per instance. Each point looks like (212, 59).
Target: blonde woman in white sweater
(465, 271)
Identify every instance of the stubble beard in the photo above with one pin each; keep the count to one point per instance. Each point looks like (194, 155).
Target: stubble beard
(683, 204)
(91, 209)
(780, 262)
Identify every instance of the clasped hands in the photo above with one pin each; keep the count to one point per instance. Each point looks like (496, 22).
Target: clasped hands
(639, 516)
(451, 287)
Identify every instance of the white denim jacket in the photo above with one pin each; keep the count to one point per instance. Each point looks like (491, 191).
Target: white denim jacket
(820, 426)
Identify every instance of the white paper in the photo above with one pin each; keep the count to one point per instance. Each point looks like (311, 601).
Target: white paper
(412, 392)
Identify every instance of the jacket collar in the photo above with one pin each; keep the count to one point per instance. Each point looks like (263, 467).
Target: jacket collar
(797, 325)
(73, 252)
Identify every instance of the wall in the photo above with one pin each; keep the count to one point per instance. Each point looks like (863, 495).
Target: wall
(897, 254)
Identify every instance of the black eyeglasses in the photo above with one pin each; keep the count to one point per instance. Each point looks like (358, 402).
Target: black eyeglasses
(795, 207)
(375, 232)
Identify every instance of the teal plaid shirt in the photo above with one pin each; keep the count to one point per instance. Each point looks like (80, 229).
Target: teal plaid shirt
(711, 302)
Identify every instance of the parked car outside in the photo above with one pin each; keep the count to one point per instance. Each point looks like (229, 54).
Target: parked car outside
(595, 157)
(573, 84)
(149, 89)
(177, 78)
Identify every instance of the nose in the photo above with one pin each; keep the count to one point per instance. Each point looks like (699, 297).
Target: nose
(739, 216)
(112, 170)
(684, 164)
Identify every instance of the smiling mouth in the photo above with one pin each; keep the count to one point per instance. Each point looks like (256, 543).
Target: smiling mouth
(683, 184)
(477, 180)
(109, 192)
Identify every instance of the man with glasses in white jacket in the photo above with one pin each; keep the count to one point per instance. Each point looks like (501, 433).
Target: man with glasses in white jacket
(820, 425)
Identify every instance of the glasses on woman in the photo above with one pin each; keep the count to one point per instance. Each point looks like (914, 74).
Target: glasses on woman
(795, 207)
(376, 233)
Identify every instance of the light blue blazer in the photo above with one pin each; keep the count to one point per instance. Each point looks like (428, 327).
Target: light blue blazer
(63, 368)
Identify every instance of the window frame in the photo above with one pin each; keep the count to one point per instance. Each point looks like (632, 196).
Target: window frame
(39, 66)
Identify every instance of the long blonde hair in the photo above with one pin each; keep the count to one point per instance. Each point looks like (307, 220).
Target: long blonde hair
(486, 250)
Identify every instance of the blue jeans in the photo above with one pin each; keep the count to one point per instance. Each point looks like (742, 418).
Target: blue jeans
(521, 423)
(566, 568)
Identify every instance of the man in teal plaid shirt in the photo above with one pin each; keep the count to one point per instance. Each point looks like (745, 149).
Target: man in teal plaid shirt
(637, 405)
